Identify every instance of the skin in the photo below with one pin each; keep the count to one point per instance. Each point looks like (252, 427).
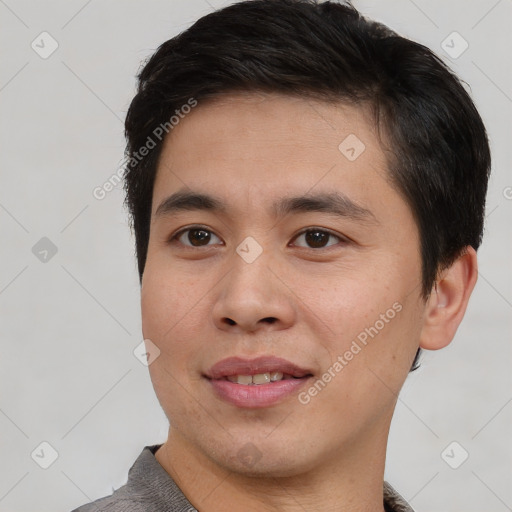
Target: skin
(203, 303)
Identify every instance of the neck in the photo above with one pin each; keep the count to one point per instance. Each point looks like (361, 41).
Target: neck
(351, 481)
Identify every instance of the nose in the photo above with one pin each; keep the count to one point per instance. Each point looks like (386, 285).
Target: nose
(254, 296)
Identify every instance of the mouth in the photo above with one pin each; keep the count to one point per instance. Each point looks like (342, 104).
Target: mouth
(256, 383)
(260, 378)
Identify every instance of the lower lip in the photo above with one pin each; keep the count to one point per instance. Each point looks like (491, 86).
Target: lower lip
(256, 395)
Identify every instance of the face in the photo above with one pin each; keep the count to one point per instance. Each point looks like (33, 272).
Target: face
(285, 327)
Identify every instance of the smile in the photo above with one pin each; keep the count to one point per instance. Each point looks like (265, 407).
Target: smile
(256, 383)
(259, 378)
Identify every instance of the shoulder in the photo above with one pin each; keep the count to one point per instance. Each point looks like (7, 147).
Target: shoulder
(393, 502)
(121, 500)
(149, 489)
(136, 495)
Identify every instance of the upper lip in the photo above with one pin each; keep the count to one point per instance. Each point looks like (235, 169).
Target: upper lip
(264, 364)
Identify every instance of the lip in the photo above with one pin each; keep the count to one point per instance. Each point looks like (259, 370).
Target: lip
(256, 396)
(240, 366)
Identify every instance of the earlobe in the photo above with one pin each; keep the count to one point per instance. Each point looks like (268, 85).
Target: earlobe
(447, 303)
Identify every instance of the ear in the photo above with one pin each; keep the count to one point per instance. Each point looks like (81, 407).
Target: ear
(448, 300)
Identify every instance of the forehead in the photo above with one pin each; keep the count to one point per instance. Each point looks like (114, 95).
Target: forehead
(260, 117)
(270, 143)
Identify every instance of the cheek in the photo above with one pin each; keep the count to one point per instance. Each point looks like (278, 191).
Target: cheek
(164, 306)
(348, 301)
(167, 297)
(173, 317)
(374, 316)
(392, 339)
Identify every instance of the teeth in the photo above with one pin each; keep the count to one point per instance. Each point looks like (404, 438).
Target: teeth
(241, 379)
(260, 378)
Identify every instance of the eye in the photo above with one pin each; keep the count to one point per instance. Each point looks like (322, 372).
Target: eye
(198, 236)
(317, 238)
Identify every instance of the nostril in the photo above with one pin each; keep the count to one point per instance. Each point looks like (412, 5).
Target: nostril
(268, 319)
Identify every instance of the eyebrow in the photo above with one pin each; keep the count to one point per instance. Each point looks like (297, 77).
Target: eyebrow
(334, 203)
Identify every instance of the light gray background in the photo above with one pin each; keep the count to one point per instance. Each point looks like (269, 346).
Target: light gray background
(69, 325)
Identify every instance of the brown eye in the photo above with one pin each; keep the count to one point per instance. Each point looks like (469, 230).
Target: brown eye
(317, 238)
(196, 237)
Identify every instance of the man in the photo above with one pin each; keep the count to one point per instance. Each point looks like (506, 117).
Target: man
(307, 191)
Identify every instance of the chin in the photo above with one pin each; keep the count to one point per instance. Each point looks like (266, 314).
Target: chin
(265, 469)
(254, 460)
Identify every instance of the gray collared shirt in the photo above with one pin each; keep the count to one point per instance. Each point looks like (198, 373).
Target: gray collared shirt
(151, 489)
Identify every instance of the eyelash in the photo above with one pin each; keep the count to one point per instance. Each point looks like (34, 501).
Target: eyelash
(343, 240)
